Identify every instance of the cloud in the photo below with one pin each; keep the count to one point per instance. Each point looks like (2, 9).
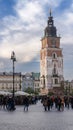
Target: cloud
(53, 3)
(64, 23)
(29, 11)
(22, 32)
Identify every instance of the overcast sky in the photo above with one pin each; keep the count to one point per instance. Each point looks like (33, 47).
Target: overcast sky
(22, 24)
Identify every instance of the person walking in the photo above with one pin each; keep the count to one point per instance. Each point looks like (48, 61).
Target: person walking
(59, 103)
(26, 103)
(48, 103)
(62, 104)
(45, 103)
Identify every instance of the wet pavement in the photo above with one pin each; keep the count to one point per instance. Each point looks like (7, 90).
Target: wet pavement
(36, 119)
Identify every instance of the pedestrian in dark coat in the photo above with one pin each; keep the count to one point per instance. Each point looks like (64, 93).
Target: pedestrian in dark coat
(26, 103)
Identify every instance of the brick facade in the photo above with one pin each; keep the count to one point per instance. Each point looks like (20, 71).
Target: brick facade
(51, 59)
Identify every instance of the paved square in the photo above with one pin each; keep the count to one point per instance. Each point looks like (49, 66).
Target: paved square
(36, 119)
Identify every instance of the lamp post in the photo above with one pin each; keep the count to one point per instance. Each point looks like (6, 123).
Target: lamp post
(20, 81)
(13, 58)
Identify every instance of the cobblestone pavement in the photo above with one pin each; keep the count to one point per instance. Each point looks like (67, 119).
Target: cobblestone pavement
(36, 119)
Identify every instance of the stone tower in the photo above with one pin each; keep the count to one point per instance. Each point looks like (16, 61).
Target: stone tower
(51, 59)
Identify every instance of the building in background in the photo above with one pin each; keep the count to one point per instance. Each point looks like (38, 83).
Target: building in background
(6, 81)
(36, 80)
(71, 87)
(21, 81)
(27, 81)
(51, 59)
(31, 80)
(68, 87)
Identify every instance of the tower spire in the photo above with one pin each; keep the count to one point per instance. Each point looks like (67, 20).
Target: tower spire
(50, 12)
(50, 30)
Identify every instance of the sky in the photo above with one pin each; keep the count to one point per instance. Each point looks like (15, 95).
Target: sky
(22, 24)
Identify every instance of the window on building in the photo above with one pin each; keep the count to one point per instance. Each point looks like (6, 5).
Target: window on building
(2, 84)
(41, 81)
(2, 87)
(6, 87)
(54, 55)
(54, 71)
(56, 81)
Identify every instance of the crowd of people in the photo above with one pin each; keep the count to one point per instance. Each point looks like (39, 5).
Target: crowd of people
(8, 102)
(59, 102)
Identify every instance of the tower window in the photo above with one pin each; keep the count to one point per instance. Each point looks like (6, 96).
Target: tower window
(56, 81)
(54, 55)
(54, 71)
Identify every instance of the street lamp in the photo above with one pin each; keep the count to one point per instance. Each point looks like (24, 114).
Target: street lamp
(13, 58)
(20, 82)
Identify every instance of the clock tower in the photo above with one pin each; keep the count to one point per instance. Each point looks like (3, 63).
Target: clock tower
(51, 59)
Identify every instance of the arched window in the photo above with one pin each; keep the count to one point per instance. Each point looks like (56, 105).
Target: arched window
(55, 70)
(54, 55)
